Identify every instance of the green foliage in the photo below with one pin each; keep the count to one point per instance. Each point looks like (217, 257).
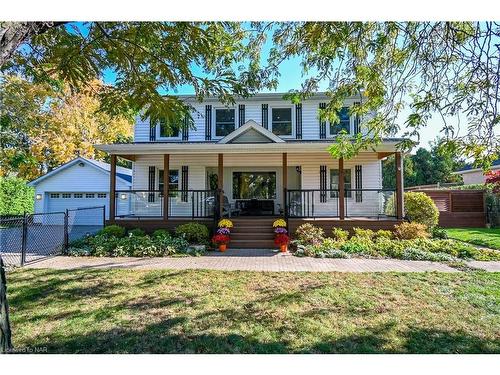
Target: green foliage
(328, 248)
(137, 232)
(364, 233)
(159, 245)
(113, 231)
(418, 207)
(383, 234)
(15, 196)
(308, 234)
(340, 234)
(357, 245)
(439, 233)
(195, 233)
(410, 231)
(417, 254)
(489, 237)
(160, 233)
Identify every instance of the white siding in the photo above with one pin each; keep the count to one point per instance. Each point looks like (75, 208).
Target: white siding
(253, 111)
(309, 162)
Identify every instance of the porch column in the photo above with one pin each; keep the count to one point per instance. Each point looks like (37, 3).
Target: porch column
(285, 179)
(166, 180)
(112, 189)
(220, 182)
(341, 190)
(399, 186)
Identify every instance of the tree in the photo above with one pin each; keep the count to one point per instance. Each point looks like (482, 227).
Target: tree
(148, 58)
(42, 128)
(424, 167)
(15, 196)
(443, 68)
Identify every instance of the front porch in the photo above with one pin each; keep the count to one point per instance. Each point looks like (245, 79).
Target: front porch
(301, 187)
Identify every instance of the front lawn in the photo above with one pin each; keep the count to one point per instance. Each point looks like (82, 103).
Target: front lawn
(477, 236)
(193, 311)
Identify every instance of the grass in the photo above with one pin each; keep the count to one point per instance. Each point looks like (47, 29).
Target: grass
(193, 311)
(477, 236)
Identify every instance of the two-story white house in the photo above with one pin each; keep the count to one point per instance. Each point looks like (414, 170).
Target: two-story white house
(262, 157)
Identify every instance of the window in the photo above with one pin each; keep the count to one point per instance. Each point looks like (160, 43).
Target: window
(169, 130)
(78, 195)
(254, 185)
(66, 195)
(89, 195)
(344, 124)
(173, 183)
(54, 195)
(334, 182)
(282, 121)
(101, 195)
(224, 122)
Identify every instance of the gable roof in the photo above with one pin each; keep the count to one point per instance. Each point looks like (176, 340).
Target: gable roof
(122, 173)
(251, 126)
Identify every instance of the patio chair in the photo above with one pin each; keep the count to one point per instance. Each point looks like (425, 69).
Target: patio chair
(228, 209)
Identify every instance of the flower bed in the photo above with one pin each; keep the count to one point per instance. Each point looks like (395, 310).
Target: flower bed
(113, 241)
(310, 241)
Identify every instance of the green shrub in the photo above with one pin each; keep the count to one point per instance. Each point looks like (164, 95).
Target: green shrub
(418, 254)
(113, 230)
(364, 233)
(357, 245)
(383, 234)
(326, 249)
(339, 234)
(160, 233)
(418, 207)
(137, 232)
(439, 233)
(16, 197)
(308, 234)
(193, 232)
(410, 231)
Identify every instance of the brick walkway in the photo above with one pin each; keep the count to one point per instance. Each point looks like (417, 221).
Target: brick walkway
(251, 260)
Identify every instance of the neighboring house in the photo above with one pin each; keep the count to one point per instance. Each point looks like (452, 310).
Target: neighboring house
(268, 157)
(79, 183)
(471, 175)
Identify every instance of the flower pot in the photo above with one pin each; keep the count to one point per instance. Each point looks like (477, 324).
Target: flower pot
(222, 247)
(283, 248)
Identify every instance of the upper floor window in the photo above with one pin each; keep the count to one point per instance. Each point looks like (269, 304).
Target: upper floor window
(344, 124)
(224, 121)
(281, 121)
(169, 130)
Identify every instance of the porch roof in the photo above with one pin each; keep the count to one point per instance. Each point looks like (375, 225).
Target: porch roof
(154, 148)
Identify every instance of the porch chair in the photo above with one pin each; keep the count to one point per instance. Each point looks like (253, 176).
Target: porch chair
(228, 209)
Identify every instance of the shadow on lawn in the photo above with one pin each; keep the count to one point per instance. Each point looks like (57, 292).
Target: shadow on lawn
(158, 338)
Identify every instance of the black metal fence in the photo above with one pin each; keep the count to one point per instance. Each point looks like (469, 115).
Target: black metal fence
(31, 237)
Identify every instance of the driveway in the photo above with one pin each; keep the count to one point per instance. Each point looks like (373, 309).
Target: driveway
(246, 260)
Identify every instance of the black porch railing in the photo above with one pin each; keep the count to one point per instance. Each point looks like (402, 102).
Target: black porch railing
(150, 203)
(315, 203)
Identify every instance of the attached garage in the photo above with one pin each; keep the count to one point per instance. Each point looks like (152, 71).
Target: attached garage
(80, 183)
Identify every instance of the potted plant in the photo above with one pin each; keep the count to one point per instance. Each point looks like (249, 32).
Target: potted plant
(221, 240)
(282, 240)
(222, 236)
(281, 237)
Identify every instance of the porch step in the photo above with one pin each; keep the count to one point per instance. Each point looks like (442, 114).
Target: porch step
(252, 244)
(252, 235)
(252, 229)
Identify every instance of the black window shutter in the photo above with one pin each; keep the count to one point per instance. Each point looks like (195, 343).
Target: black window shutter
(241, 114)
(322, 183)
(184, 183)
(152, 131)
(265, 117)
(185, 129)
(151, 183)
(322, 124)
(298, 121)
(357, 122)
(358, 179)
(208, 122)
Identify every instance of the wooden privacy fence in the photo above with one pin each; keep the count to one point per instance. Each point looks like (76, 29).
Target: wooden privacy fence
(459, 208)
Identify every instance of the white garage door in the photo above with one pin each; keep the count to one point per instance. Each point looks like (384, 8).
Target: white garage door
(59, 202)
